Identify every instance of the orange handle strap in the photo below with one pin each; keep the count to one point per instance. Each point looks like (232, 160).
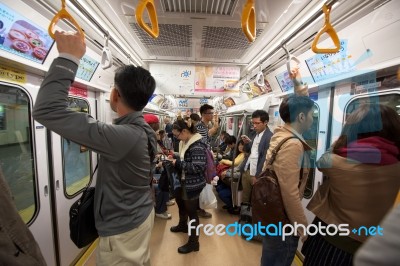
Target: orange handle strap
(330, 31)
(151, 10)
(63, 14)
(249, 21)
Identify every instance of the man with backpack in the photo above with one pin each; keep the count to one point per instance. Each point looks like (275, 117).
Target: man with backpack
(207, 113)
(291, 166)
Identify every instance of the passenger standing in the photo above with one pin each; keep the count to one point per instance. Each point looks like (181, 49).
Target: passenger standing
(18, 246)
(362, 170)
(168, 127)
(291, 166)
(162, 187)
(258, 143)
(207, 115)
(190, 166)
(124, 209)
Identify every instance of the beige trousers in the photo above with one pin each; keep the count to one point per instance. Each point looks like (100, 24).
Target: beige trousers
(129, 248)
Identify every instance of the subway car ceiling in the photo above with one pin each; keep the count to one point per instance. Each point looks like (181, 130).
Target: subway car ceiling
(199, 39)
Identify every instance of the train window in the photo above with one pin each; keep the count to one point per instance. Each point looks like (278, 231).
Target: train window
(311, 137)
(16, 149)
(392, 100)
(76, 158)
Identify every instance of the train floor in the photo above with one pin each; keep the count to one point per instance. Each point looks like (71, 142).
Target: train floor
(214, 250)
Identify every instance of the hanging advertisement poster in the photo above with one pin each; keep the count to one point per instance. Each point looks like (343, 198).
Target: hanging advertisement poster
(216, 79)
(173, 79)
(326, 66)
(22, 37)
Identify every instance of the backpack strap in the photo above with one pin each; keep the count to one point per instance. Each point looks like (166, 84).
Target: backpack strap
(277, 148)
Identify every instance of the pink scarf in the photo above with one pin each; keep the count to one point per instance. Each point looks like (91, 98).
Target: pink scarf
(372, 150)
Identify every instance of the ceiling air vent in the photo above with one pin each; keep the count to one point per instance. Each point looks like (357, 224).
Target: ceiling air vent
(214, 7)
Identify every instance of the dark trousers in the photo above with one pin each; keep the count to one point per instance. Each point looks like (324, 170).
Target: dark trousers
(276, 252)
(187, 207)
(225, 194)
(162, 198)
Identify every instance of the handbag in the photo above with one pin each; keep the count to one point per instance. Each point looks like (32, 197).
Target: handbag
(81, 217)
(266, 197)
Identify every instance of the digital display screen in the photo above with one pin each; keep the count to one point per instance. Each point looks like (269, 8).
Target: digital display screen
(21, 37)
(284, 81)
(87, 67)
(326, 66)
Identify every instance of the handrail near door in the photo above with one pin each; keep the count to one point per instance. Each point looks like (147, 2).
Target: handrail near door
(249, 20)
(235, 183)
(327, 28)
(151, 10)
(63, 14)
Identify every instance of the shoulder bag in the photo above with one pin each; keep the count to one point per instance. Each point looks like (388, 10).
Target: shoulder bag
(81, 217)
(266, 197)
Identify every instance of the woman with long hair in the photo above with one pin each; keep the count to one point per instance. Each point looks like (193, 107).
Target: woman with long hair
(362, 170)
(190, 166)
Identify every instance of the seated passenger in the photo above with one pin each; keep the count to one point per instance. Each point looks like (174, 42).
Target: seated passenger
(362, 169)
(224, 184)
(225, 164)
(239, 156)
(230, 145)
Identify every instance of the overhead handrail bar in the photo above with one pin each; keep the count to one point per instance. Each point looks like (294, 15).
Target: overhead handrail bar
(260, 78)
(327, 28)
(151, 10)
(106, 57)
(63, 14)
(299, 29)
(289, 58)
(249, 20)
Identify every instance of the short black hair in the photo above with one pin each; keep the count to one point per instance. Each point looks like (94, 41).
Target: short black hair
(293, 105)
(262, 114)
(135, 85)
(205, 107)
(195, 117)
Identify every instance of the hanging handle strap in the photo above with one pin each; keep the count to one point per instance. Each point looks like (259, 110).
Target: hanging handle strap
(151, 10)
(249, 20)
(327, 28)
(260, 78)
(289, 59)
(106, 57)
(63, 14)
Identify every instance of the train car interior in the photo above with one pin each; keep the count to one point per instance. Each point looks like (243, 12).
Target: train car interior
(235, 55)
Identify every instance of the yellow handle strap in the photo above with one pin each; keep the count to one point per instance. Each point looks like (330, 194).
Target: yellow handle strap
(63, 14)
(151, 10)
(330, 31)
(249, 21)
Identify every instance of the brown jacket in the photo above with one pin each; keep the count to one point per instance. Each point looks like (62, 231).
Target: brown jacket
(354, 193)
(17, 245)
(287, 165)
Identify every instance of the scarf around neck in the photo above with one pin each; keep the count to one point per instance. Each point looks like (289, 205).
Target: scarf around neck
(372, 150)
(184, 146)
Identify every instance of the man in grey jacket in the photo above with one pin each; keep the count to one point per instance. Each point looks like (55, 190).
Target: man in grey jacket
(124, 210)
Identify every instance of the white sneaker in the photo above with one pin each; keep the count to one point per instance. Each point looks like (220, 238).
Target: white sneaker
(164, 215)
(171, 202)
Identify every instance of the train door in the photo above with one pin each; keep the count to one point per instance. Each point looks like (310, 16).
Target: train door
(23, 160)
(72, 167)
(316, 137)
